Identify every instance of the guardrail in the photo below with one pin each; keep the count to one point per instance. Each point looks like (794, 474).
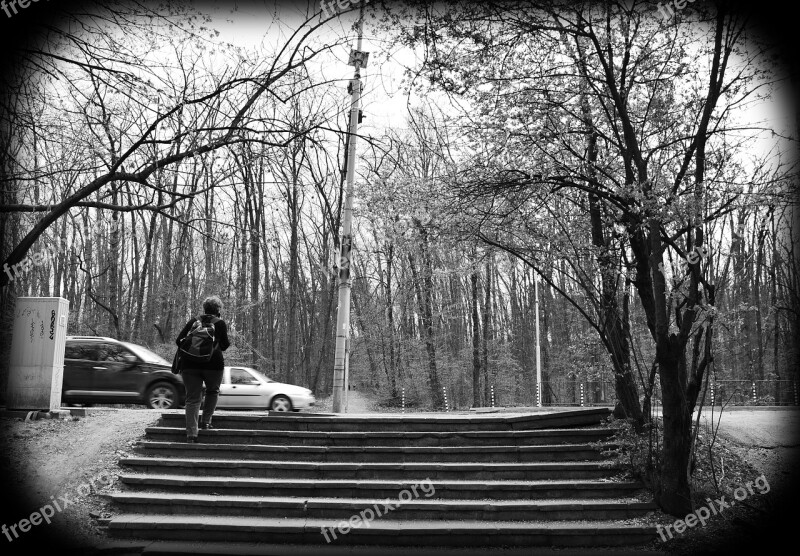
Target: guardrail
(601, 393)
(586, 393)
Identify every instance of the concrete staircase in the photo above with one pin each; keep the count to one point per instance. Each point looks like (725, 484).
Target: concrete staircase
(468, 480)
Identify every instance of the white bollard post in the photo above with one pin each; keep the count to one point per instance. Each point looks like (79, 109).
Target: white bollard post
(581, 394)
(403, 400)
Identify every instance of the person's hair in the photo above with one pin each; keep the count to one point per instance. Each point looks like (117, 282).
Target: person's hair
(212, 305)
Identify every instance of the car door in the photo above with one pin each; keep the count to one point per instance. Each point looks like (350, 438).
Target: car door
(116, 374)
(240, 389)
(225, 399)
(79, 358)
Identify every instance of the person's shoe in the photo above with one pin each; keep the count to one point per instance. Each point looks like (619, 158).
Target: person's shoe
(191, 439)
(206, 426)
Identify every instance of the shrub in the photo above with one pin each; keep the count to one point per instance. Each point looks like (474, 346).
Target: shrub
(639, 452)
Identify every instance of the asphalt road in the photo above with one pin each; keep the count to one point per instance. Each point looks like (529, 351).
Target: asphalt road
(759, 428)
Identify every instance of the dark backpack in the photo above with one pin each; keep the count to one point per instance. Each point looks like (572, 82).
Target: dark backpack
(198, 345)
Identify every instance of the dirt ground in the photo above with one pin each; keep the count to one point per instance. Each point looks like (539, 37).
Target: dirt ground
(762, 520)
(77, 459)
(49, 461)
(356, 403)
(757, 446)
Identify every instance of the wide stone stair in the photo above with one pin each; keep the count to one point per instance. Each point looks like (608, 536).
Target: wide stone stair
(461, 480)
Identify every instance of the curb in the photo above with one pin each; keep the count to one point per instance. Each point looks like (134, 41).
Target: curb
(34, 415)
(717, 409)
(38, 415)
(87, 411)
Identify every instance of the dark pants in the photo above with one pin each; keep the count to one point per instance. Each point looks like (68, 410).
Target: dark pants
(193, 380)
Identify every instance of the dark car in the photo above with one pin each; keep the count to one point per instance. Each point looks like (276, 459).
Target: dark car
(105, 370)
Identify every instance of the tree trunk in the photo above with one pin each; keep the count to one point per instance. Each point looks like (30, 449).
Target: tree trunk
(393, 367)
(673, 490)
(476, 339)
(487, 320)
(612, 329)
(424, 287)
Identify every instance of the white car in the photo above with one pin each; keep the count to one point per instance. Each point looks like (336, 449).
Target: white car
(245, 388)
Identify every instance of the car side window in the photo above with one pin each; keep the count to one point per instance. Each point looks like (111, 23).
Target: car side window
(85, 352)
(114, 353)
(240, 376)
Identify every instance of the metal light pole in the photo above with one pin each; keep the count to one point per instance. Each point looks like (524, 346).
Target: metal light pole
(538, 352)
(358, 59)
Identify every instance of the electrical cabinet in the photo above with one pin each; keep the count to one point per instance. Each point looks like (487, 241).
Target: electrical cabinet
(36, 370)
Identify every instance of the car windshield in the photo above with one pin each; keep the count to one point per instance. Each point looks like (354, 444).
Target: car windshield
(146, 355)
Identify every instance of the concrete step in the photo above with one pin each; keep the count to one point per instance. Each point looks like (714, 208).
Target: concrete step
(401, 423)
(330, 488)
(378, 471)
(343, 508)
(142, 547)
(382, 532)
(316, 438)
(376, 454)
(449, 481)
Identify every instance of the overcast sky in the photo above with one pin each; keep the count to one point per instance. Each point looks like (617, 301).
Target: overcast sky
(249, 23)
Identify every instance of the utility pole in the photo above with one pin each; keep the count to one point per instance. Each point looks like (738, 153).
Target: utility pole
(358, 59)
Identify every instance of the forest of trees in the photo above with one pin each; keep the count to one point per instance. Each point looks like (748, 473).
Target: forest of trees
(601, 151)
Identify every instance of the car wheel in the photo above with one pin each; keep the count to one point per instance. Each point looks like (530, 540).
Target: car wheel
(280, 403)
(162, 395)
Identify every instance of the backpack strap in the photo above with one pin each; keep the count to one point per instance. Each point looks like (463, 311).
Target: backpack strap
(213, 320)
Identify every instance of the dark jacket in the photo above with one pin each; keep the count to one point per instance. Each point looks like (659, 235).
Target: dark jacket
(216, 363)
